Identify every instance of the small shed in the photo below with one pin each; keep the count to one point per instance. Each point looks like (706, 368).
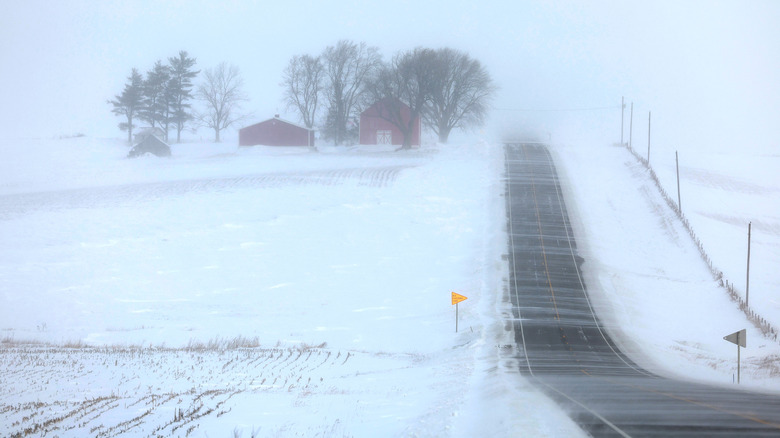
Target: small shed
(150, 144)
(376, 129)
(276, 132)
(141, 133)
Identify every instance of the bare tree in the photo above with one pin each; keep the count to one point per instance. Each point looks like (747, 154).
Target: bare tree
(461, 91)
(348, 66)
(221, 92)
(407, 79)
(302, 83)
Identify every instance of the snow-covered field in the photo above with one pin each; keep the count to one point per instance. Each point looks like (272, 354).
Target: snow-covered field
(287, 292)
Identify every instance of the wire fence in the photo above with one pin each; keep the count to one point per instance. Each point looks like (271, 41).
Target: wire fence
(736, 295)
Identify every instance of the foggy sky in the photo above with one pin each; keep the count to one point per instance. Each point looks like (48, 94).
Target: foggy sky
(708, 70)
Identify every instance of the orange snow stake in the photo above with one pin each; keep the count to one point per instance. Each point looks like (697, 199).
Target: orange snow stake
(457, 298)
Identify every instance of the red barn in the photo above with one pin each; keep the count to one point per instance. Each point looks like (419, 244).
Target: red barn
(276, 132)
(376, 130)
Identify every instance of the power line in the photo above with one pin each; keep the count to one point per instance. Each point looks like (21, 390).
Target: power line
(601, 108)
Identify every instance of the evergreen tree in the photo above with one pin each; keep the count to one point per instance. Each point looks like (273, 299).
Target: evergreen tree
(156, 102)
(180, 90)
(329, 127)
(129, 103)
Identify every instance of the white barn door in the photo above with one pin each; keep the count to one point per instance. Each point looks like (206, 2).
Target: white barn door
(384, 137)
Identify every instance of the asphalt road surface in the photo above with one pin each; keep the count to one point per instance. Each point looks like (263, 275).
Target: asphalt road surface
(564, 349)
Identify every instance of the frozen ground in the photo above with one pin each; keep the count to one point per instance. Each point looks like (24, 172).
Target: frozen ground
(289, 292)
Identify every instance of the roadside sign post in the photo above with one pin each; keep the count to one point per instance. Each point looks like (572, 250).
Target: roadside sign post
(739, 339)
(457, 298)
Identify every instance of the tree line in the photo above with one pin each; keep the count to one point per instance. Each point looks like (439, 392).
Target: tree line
(446, 88)
(162, 98)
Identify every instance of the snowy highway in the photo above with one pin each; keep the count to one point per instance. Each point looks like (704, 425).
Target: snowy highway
(566, 351)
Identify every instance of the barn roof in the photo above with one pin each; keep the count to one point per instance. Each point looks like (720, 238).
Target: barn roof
(382, 101)
(281, 120)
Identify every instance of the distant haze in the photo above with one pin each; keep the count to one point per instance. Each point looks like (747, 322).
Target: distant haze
(708, 70)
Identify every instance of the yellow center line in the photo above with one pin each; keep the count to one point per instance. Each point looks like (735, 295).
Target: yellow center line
(695, 402)
(541, 239)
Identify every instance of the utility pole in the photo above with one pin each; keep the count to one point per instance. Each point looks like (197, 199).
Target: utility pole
(622, 108)
(677, 162)
(649, 114)
(747, 282)
(631, 127)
